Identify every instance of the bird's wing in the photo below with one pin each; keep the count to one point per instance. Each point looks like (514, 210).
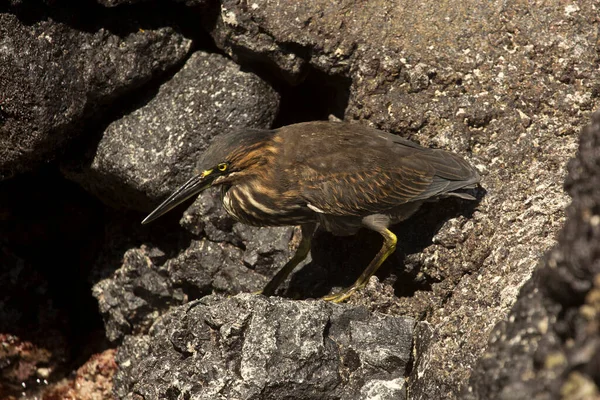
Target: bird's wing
(384, 183)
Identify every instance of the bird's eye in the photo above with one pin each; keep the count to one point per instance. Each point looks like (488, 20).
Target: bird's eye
(222, 167)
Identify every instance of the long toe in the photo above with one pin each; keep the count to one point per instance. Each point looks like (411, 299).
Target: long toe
(340, 296)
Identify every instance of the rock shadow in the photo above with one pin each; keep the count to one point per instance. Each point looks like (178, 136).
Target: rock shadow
(338, 261)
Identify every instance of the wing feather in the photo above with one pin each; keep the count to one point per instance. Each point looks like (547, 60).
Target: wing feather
(418, 175)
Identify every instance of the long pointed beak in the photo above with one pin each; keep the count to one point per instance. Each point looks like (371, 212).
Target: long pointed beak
(195, 185)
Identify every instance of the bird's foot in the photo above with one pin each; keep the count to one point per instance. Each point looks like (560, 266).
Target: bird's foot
(341, 296)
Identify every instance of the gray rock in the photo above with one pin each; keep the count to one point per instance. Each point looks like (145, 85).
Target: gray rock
(383, 390)
(135, 296)
(548, 346)
(224, 257)
(263, 248)
(507, 84)
(424, 336)
(148, 153)
(250, 347)
(479, 78)
(54, 76)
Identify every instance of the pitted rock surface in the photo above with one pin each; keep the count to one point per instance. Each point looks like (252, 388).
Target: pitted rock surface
(147, 154)
(249, 347)
(54, 77)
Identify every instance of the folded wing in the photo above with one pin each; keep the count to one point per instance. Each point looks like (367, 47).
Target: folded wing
(404, 173)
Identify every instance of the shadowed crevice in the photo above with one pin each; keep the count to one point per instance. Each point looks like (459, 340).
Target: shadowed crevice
(338, 261)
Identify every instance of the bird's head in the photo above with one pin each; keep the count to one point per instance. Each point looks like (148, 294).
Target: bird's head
(229, 157)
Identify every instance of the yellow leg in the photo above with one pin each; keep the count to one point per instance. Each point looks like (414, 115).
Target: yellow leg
(301, 253)
(389, 246)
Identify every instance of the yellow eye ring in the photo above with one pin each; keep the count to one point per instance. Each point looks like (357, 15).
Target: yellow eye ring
(222, 167)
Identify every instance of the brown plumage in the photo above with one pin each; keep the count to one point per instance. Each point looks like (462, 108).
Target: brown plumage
(341, 176)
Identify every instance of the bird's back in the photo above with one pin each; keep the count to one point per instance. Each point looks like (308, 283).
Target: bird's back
(352, 170)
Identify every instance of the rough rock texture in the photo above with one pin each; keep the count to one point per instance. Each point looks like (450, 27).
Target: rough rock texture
(549, 346)
(225, 256)
(262, 249)
(53, 75)
(250, 347)
(148, 153)
(92, 381)
(509, 82)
